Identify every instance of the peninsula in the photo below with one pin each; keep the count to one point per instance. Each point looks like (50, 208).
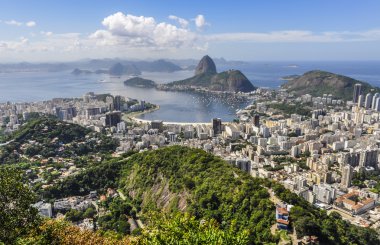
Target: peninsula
(207, 77)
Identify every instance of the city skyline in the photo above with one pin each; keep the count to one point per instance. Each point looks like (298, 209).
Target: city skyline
(292, 30)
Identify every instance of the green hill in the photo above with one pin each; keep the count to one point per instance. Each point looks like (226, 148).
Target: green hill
(179, 179)
(175, 180)
(317, 83)
(50, 137)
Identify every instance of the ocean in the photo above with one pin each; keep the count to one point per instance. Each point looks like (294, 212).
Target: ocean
(174, 106)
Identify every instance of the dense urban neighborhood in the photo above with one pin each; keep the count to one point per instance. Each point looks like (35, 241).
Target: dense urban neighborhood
(323, 150)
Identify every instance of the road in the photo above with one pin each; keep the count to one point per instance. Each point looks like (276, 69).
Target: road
(6, 143)
(137, 221)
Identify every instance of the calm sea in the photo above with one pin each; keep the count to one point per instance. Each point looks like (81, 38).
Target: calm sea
(174, 106)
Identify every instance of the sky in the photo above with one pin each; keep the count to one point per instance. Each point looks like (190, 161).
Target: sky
(252, 30)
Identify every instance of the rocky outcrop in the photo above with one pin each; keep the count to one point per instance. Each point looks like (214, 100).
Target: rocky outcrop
(207, 77)
(205, 65)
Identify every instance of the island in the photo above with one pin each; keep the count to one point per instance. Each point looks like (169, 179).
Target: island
(140, 82)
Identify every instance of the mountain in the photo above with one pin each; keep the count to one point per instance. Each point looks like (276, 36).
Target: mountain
(120, 67)
(140, 82)
(174, 180)
(118, 70)
(157, 66)
(317, 83)
(206, 65)
(181, 180)
(206, 76)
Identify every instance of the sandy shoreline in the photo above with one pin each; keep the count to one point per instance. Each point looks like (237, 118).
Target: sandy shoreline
(134, 118)
(133, 115)
(138, 120)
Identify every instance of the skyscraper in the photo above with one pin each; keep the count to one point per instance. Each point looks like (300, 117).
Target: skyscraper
(368, 101)
(117, 103)
(217, 125)
(256, 120)
(375, 96)
(361, 100)
(347, 174)
(112, 118)
(357, 92)
(377, 105)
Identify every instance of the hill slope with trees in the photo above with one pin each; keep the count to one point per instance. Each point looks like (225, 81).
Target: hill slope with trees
(317, 83)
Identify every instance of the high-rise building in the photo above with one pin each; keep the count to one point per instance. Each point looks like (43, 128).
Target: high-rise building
(117, 103)
(357, 92)
(109, 101)
(113, 118)
(157, 124)
(217, 125)
(256, 120)
(172, 136)
(377, 106)
(361, 100)
(347, 174)
(368, 101)
(375, 96)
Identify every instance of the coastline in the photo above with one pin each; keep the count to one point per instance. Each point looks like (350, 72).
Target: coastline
(133, 115)
(138, 120)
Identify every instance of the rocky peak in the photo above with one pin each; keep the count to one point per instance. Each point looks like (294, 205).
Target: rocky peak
(206, 65)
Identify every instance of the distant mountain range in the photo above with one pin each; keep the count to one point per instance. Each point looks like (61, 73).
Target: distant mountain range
(102, 65)
(206, 76)
(132, 68)
(317, 83)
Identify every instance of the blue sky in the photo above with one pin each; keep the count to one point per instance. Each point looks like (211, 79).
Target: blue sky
(45, 30)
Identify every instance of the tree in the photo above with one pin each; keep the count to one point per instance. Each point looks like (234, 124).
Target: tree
(89, 213)
(186, 229)
(306, 226)
(74, 215)
(17, 216)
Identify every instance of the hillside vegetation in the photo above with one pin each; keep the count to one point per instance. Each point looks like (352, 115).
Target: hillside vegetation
(50, 137)
(317, 83)
(140, 82)
(179, 179)
(186, 196)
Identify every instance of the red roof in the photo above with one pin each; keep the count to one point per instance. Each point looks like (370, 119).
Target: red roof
(282, 211)
(282, 221)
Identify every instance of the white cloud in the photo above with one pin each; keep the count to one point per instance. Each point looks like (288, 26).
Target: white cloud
(297, 36)
(145, 37)
(18, 45)
(31, 23)
(200, 21)
(13, 23)
(183, 23)
(46, 33)
(18, 23)
(141, 31)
